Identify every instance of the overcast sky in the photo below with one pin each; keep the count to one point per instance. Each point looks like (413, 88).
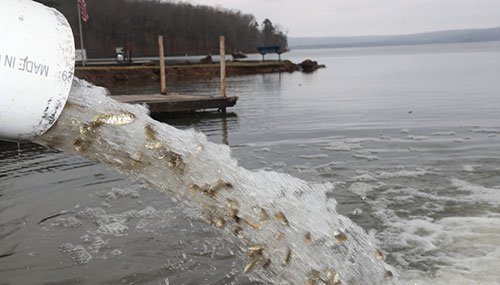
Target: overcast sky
(367, 17)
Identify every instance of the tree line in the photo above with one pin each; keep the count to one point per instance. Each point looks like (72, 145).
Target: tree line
(186, 28)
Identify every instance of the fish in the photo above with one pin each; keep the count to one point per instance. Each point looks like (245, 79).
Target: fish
(340, 236)
(152, 141)
(282, 218)
(174, 160)
(205, 190)
(250, 265)
(262, 214)
(86, 130)
(196, 188)
(150, 133)
(219, 184)
(231, 203)
(218, 222)
(212, 190)
(80, 145)
(308, 237)
(77, 142)
(211, 217)
(313, 277)
(331, 277)
(379, 254)
(255, 250)
(154, 145)
(266, 264)
(251, 223)
(288, 257)
(238, 231)
(233, 214)
(279, 235)
(117, 119)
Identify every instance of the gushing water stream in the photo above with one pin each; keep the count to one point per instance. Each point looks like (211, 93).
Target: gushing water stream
(288, 229)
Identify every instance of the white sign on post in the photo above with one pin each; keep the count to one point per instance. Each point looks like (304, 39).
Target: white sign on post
(81, 55)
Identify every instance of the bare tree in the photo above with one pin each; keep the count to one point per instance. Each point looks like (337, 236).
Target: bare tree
(187, 29)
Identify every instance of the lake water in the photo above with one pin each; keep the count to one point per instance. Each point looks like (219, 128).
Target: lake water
(409, 137)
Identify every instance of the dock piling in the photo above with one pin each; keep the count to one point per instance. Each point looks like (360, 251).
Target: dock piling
(222, 66)
(163, 77)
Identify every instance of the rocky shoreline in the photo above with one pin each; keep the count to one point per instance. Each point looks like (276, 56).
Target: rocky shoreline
(107, 76)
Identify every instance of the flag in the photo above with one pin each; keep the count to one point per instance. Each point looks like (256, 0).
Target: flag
(83, 10)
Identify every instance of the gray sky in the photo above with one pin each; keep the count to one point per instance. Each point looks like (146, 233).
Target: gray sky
(367, 17)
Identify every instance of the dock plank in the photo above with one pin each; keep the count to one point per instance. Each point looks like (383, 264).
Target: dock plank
(178, 103)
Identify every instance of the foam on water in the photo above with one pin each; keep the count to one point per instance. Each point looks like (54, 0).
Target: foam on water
(438, 235)
(287, 227)
(342, 146)
(486, 130)
(362, 189)
(454, 250)
(77, 252)
(313, 156)
(417, 138)
(365, 156)
(443, 134)
(477, 192)
(469, 168)
(365, 176)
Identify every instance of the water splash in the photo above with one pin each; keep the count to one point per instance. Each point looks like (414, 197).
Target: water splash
(288, 229)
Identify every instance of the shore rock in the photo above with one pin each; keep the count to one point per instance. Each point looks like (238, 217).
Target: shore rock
(206, 60)
(308, 66)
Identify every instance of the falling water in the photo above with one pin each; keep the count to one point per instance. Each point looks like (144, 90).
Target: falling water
(287, 228)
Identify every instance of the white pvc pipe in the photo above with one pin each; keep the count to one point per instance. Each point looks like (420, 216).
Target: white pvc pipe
(37, 55)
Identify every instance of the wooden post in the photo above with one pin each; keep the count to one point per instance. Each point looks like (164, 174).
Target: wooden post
(224, 129)
(222, 66)
(163, 78)
(84, 54)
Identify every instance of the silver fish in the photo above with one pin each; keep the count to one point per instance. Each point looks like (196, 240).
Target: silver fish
(233, 214)
(340, 236)
(232, 203)
(238, 231)
(261, 214)
(255, 250)
(288, 257)
(282, 218)
(379, 254)
(308, 237)
(116, 119)
(250, 265)
(313, 277)
(219, 184)
(331, 277)
(150, 133)
(253, 224)
(218, 222)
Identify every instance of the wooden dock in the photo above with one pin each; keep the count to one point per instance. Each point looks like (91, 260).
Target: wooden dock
(178, 103)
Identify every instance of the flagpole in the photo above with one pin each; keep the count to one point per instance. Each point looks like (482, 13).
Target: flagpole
(84, 55)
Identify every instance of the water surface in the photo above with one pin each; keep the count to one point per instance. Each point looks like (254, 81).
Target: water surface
(409, 136)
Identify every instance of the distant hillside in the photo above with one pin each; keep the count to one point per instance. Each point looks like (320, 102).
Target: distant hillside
(439, 37)
(187, 29)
